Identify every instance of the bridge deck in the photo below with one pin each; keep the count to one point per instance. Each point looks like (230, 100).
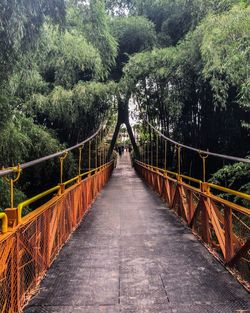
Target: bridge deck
(131, 254)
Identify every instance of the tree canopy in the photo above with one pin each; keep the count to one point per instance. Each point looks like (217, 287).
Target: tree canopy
(65, 66)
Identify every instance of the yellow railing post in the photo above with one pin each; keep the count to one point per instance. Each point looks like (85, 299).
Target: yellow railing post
(165, 154)
(100, 150)
(157, 151)
(104, 154)
(96, 152)
(143, 152)
(179, 159)
(204, 158)
(4, 219)
(152, 156)
(80, 162)
(148, 160)
(62, 158)
(12, 182)
(89, 156)
(12, 213)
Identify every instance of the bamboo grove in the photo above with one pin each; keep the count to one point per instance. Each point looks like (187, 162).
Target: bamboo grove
(67, 66)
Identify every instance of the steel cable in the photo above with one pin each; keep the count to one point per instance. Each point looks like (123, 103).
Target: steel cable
(51, 156)
(223, 156)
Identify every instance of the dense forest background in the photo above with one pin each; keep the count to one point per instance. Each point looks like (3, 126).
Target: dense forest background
(64, 65)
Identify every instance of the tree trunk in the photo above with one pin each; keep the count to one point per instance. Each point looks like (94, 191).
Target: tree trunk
(113, 141)
(132, 138)
(123, 118)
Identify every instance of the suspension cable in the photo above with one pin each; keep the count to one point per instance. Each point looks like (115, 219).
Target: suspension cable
(51, 156)
(223, 156)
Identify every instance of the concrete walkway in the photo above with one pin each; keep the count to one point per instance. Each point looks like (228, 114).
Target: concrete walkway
(131, 255)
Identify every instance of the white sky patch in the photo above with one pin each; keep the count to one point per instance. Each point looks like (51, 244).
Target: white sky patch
(133, 112)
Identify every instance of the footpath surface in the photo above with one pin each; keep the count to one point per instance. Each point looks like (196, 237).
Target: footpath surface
(132, 255)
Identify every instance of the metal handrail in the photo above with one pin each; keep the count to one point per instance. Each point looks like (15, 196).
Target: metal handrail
(4, 218)
(223, 156)
(164, 171)
(32, 200)
(213, 186)
(51, 156)
(27, 202)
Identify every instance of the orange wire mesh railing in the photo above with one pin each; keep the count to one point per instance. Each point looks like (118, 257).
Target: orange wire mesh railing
(28, 250)
(29, 243)
(222, 224)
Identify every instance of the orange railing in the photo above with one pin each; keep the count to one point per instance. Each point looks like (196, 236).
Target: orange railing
(28, 250)
(222, 225)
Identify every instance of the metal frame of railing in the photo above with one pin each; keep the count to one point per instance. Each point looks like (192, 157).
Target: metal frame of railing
(223, 224)
(202, 152)
(29, 249)
(180, 196)
(13, 216)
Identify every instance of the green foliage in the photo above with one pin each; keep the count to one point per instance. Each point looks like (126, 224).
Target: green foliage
(73, 114)
(5, 110)
(236, 177)
(173, 19)
(91, 20)
(185, 63)
(22, 139)
(26, 80)
(153, 78)
(68, 57)
(133, 34)
(175, 88)
(99, 33)
(226, 53)
(19, 196)
(20, 24)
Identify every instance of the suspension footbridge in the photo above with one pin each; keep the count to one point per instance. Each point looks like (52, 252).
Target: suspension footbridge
(121, 248)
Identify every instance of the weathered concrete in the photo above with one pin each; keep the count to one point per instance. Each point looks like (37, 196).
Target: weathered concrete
(132, 255)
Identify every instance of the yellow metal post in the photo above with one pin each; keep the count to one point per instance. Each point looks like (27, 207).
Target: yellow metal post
(103, 155)
(62, 158)
(12, 182)
(204, 158)
(148, 152)
(96, 152)
(89, 155)
(157, 150)
(100, 150)
(165, 154)
(4, 219)
(151, 153)
(179, 159)
(80, 161)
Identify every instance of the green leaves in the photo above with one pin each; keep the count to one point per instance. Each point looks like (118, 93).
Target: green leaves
(225, 50)
(185, 63)
(91, 19)
(133, 33)
(75, 113)
(20, 24)
(236, 177)
(68, 57)
(22, 141)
